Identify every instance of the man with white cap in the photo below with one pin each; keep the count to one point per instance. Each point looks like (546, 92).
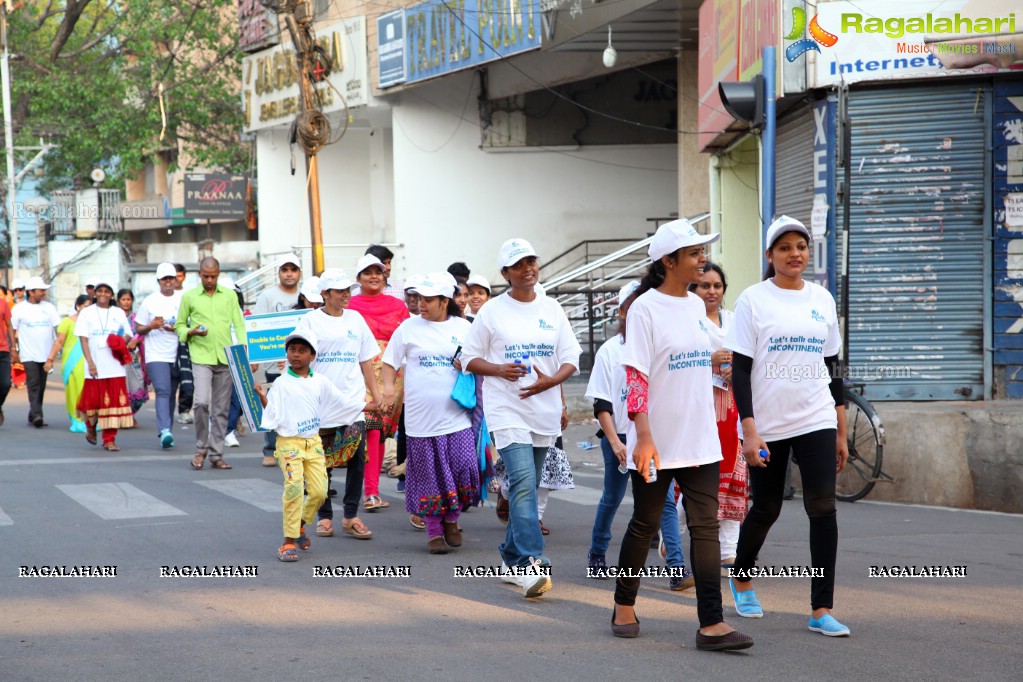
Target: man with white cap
(34, 322)
(345, 358)
(17, 291)
(277, 299)
(155, 322)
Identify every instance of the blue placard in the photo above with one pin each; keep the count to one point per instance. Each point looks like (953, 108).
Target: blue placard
(391, 48)
(266, 334)
(444, 36)
(245, 386)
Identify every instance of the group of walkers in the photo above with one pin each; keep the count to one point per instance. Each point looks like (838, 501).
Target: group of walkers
(687, 411)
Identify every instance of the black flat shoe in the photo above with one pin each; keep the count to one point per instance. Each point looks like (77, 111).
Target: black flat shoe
(733, 641)
(628, 630)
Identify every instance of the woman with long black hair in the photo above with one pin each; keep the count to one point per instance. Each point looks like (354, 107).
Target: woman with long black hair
(672, 434)
(785, 343)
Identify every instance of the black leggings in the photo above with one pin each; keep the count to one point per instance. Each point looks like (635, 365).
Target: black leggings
(700, 500)
(815, 455)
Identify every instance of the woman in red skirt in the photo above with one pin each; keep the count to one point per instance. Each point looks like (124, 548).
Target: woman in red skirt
(104, 403)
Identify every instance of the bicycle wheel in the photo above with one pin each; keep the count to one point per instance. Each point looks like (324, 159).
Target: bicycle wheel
(866, 449)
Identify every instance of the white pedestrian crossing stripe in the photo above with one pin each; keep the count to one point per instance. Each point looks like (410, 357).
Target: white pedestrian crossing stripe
(5, 520)
(258, 492)
(112, 501)
(581, 495)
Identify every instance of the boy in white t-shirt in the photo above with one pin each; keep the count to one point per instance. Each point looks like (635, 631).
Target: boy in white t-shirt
(294, 407)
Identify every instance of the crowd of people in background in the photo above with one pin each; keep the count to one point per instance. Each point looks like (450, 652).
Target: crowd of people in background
(468, 385)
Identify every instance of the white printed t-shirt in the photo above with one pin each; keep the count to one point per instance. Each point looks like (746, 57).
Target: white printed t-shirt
(160, 344)
(96, 324)
(425, 350)
(296, 406)
(668, 340)
(35, 324)
(343, 342)
(788, 334)
(607, 381)
(504, 329)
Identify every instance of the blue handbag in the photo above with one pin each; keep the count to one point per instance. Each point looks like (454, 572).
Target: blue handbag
(464, 391)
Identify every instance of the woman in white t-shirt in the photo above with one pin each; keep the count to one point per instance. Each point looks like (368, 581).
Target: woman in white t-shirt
(671, 435)
(522, 343)
(442, 471)
(104, 403)
(785, 343)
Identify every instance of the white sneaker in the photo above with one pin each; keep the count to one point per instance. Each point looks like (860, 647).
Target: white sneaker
(185, 418)
(231, 440)
(532, 585)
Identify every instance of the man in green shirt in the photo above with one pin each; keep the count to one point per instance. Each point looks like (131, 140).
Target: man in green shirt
(205, 319)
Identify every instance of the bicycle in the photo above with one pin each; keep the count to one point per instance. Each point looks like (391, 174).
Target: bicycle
(865, 433)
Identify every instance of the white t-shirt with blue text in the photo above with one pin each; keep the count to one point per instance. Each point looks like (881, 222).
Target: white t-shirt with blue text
(342, 343)
(425, 350)
(607, 381)
(667, 339)
(788, 334)
(296, 406)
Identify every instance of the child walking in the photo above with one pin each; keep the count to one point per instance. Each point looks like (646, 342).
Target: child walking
(293, 407)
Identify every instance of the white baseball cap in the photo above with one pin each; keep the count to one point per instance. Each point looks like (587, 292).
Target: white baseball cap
(98, 282)
(17, 284)
(367, 261)
(93, 281)
(291, 259)
(783, 224)
(479, 281)
(311, 290)
(306, 335)
(627, 290)
(678, 234)
(514, 250)
(412, 281)
(227, 281)
(165, 270)
(36, 283)
(334, 278)
(437, 284)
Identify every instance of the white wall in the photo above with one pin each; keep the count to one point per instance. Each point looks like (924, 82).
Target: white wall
(356, 199)
(454, 201)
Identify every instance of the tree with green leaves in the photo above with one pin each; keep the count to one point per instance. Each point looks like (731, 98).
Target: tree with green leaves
(114, 82)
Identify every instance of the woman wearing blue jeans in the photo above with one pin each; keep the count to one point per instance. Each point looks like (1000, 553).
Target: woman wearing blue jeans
(607, 390)
(523, 346)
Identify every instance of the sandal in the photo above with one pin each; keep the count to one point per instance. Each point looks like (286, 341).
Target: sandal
(396, 471)
(220, 464)
(303, 541)
(373, 502)
(544, 530)
(417, 522)
(325, 528)
(356, 528)
(198, 461)
(111, 447)
(287, 553)
(90, 433)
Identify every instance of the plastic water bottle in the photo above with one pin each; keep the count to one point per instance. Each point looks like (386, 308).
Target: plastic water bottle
(622, 469)
(202, 327)
(524, 361)
(653, 471)
(764, 453)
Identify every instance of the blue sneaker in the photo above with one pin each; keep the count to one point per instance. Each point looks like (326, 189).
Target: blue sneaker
(746, 603)
(827, 625)
(401, 486)
(166, 439)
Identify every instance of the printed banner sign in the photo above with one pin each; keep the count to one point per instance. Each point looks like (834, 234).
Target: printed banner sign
(266, 334)
(245, 385)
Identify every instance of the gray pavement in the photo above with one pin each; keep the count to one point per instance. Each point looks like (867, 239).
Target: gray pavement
(65, 502)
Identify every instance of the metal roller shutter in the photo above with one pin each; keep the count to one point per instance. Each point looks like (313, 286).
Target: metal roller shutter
(793, 193)
(919, 193)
